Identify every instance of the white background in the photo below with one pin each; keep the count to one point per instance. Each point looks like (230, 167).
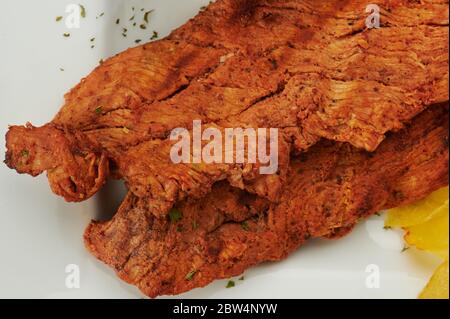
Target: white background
(40, 234)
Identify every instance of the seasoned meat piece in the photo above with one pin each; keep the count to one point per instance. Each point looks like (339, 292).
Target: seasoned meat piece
(310, 68)
(330, 188)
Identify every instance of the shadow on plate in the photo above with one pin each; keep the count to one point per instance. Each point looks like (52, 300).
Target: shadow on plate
(109, 199)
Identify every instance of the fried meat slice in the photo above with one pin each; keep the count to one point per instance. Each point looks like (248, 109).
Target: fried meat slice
(309, 68)
(329, 190)
(75, 168)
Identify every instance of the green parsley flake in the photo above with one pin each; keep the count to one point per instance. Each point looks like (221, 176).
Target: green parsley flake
(245, 226)
(25, 153)
(58, 18)
(83, 11)
(191, 275)
(66, 35)
(195, 225)
(175, 215)
(146, 15)
(230, 284)
(154, 36)
(98, 110)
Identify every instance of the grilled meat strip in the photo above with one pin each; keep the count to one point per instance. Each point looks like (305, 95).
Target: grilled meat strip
(310, 68)
(330, 188)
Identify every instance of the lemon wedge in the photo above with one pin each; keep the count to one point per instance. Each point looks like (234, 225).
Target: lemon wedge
(419, 212)
(431, 236)
(426, 225)
(437, 287)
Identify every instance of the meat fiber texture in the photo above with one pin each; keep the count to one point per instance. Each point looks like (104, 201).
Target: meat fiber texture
(310, 68)
(330, 188)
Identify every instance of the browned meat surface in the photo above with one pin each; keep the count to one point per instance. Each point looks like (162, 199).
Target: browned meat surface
(307, 67)
(81, 167)
(330, 188)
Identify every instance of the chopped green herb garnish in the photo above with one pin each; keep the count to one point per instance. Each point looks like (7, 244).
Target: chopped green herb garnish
(25, 153)
(245, 226)
(405, 249)
(132, 18)
(230, 284)
(101, 61)
(146, 15)
(92, 46)
(191, 275)
(154, 36)
(134, 24)
(124, 35)
(195, 225)
(143, 26)
(242, 278)
(92, 40)
(138, 41)
(66, 35)
(99, 110)
(83, 11)
(117, 21)
(175, 215)
(378, 214)
(61, 69)
(387, 227)
(58, 18)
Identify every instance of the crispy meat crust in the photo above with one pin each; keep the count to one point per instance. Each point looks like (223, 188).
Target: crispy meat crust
(329, 189)
(76, 169)
(307, 67)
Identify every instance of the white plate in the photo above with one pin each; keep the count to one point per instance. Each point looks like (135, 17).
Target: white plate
(40, 234)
